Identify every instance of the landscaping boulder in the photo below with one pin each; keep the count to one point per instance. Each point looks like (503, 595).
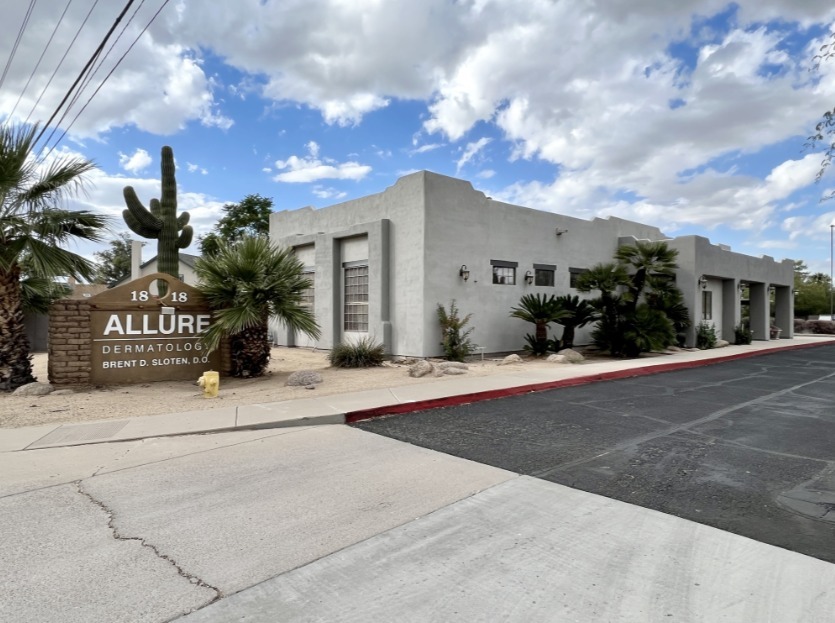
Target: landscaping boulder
(452, 365)
(62, 392)
(303, 378)
(33, 389)
(420, 369)
(556, 359)
(572, 356)
(721, 343)
(510, 359)
(454, 371)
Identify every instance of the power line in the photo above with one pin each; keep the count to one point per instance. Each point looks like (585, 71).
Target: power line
(121, 58)
(17, 40)
(84, 70)
(38, 64)
(61, 62)
(90, 75)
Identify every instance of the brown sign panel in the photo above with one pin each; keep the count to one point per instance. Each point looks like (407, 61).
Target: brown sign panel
(138, 336)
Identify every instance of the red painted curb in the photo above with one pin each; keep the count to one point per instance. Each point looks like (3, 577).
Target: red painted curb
(492, 394)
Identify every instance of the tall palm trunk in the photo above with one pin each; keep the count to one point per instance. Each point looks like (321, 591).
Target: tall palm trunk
(250, 351)
(15, 360)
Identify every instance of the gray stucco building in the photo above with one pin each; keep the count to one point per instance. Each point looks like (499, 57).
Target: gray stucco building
(382, 263)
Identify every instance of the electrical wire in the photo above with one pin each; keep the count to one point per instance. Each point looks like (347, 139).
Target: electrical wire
(84, 71)
(89, 77)
(17, 41)
(38, 64)
(61, 62)
(121, 58)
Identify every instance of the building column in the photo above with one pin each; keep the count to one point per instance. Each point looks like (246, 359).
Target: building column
(731, 308)
(759, 309)
(784, 310)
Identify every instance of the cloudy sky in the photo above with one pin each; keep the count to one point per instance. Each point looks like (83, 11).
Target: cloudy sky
(688, 115)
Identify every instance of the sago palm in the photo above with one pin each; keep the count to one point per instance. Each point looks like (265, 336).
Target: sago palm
(580, 313)
(247, 283)
(540, 310)
(34, 228)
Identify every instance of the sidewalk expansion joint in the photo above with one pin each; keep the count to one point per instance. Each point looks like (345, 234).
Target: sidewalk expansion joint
(111, 518)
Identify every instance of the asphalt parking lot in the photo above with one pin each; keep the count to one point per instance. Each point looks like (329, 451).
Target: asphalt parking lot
(746, 446)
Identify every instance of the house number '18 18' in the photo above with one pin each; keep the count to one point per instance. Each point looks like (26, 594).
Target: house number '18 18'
(143, 296)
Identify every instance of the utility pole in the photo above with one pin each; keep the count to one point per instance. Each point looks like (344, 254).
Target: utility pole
(831, 265)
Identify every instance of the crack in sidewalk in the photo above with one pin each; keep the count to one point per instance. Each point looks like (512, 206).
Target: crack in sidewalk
(111, 517)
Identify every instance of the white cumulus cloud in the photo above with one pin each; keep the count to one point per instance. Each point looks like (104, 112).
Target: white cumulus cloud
(138, 161)
(306, 169)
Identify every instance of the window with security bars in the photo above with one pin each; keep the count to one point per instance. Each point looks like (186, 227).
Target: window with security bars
(356, 299)
(308, 296)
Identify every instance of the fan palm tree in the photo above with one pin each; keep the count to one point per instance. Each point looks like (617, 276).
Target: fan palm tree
(649, 260)
(248, 282)
(541, 310)
(580, 313)
(33, 229)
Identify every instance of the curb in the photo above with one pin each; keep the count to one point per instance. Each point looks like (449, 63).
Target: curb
(461, 399)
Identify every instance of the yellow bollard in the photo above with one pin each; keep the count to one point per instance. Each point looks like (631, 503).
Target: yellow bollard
(210, 382)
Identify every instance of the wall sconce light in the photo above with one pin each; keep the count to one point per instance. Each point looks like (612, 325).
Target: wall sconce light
(741, 287)
(703, 282)
(795, 292)
(464, 272)
(771, 290)
(529, 277)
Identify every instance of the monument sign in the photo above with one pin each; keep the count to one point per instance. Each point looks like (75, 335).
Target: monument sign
(138, 336)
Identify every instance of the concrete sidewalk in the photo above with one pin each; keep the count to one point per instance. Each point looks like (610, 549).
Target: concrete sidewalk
(355, 406)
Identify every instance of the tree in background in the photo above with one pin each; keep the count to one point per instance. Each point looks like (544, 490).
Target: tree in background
(250, 217)
(813, 292)
(33, 231)
(825, 129)
(248, 282)
(114, 263)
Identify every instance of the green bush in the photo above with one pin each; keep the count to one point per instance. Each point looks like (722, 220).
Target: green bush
(454, 339)
(742, 334)
(705, 336)
(364, 353)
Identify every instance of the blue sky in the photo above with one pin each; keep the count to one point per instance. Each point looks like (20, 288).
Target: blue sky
(687, 115)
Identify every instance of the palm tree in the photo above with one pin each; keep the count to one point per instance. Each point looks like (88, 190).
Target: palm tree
(33, 231)
(248, 282)
(650, 260)
(541, 310)
(580, 313)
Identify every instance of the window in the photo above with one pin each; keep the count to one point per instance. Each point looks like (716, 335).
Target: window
(543, 274)
(504, 273)
(574, 275)
(707, 305)
(356, 298)
(308, 297)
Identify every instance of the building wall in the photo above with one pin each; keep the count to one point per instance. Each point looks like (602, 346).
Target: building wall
(189, 276)
(393, 224)
(417, 234)
(463, 226)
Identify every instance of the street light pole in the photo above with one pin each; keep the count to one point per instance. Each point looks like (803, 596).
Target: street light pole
(831, 264)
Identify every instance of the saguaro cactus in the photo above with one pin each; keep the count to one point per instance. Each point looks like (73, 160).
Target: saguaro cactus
(161, 221)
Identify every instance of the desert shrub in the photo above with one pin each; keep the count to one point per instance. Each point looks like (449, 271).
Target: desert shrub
(705, 336)
(799, 325)
(364, 353)
(454, 339)
(742, 334)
